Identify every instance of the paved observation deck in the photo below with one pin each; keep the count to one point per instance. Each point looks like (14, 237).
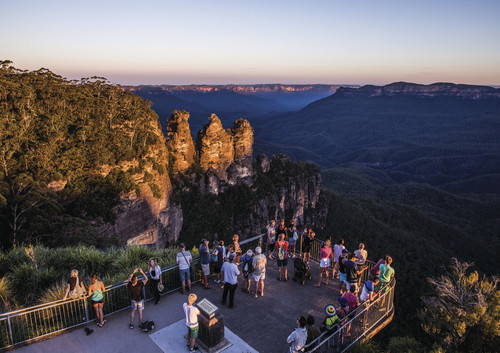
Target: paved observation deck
(264, 323)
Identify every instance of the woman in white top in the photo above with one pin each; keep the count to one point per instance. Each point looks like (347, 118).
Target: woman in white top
(155, 275)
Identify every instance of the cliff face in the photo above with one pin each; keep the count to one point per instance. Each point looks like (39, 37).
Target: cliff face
(432, 90)
(261, 189)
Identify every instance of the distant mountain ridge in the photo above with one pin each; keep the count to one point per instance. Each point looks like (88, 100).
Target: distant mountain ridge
(418, 90)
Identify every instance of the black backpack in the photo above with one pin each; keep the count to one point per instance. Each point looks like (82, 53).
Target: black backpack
(148, 326)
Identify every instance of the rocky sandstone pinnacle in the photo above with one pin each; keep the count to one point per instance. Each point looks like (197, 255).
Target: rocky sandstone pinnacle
(215, 146)
(179, 141)
(242, 139)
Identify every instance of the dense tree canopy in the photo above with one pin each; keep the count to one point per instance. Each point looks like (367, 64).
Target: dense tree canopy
(55, 132)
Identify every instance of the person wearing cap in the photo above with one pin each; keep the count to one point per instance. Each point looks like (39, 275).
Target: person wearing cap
(298, 337)
(247, 268)
(259, 270)
(231, 273)
(368, 291)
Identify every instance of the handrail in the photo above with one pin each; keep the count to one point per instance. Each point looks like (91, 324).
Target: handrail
(28, 324)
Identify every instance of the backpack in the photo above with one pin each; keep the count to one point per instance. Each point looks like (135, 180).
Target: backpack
(281, 253)
(247, 263)
(148, 326)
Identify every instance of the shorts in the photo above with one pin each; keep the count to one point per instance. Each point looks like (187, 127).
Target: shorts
(283, 262)
(291, 241)
(306, 249)
(138, 305)
(184, 275)
(349, 284)
(217, 268)
(343, 277)
(94, 302)
(257, 278)
(381, 285)
(193, 331)
(206, 269)
(325, 262)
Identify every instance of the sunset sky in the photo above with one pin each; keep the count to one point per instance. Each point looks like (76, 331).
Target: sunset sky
(272, 41)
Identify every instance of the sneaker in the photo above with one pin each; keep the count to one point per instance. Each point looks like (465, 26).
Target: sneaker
(131, 326)
(194, 349)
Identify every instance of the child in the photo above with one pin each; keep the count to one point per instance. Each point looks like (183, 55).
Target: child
(192, 313)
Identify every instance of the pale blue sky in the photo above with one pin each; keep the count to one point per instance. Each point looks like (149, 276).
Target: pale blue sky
(217, 42)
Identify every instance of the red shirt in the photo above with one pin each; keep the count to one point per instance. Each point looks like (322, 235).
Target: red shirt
(282, 244)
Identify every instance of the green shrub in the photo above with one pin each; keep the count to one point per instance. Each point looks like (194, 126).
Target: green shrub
(405, 345)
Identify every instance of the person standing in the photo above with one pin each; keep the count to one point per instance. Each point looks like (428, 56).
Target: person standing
(205, 263)
(337, 252)
(218, 253)
(326, 255)
(298, 337)
(155, 275)
(271, 238)
(292, 238)
(96, 294)
(76, 288)
(313, 331)
(231, 273)
(352, 271)
(184, 259)
(135, 288)
(237, 249)
(246, 267)
(191, 313)
(282, 256)
(259, 270)
(307, 239)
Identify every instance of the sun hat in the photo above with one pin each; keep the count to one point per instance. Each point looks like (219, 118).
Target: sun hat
(161, 287)
(330, 310)
(249, 252)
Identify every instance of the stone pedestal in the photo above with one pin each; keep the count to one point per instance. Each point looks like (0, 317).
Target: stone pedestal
(211, 328)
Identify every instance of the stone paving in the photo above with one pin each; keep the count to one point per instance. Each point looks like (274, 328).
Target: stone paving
(263, 323)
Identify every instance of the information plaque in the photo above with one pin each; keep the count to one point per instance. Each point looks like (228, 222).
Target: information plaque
(207, 308)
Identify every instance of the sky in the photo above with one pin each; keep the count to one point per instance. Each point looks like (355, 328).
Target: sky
(249, 42)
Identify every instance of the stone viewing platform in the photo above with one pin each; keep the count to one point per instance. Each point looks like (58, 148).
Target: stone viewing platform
(262, 324)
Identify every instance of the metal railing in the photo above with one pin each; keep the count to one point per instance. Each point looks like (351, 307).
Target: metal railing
(363, 323)
(28, 324)
(25, 325)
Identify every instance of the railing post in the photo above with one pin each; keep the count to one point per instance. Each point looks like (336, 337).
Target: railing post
(86, 309)
(11, 337)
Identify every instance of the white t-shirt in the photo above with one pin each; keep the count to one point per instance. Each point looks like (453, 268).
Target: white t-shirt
(231, 272)
(365, 294)
(362, 254)
(337, 249)
(181, 260)
(192, 313)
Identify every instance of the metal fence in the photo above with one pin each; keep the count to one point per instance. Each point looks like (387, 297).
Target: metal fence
(25, 325)
(363, 323)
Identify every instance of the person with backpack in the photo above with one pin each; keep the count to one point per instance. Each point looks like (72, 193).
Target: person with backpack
(76, 288)
(282, 256)
(247, 268)
(96, 293)
(184, 260)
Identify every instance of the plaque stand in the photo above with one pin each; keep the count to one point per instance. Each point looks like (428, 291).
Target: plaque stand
(211, 329)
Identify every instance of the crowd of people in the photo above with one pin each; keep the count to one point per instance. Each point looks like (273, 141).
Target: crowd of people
(229, 266)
